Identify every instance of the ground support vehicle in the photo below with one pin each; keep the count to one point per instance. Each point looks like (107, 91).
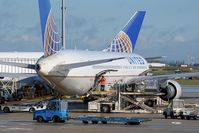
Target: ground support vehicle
(25, 107)
(102, 105)
(189, 114)
(57, 111)
(123, 102)
(176, 109)
(137, 98)
(105, 120)
(4, 96)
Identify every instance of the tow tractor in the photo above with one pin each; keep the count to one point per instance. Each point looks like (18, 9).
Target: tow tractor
(177, 109)
(57, 111)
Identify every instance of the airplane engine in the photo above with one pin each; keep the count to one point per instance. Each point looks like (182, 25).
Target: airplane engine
(172, 90)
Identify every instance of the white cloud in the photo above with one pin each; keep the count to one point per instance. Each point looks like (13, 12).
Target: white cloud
(91, 42)
(179, 39)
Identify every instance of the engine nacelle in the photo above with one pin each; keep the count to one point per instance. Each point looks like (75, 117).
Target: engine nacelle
(172, 90)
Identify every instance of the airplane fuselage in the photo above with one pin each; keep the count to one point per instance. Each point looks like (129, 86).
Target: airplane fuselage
(80, 80)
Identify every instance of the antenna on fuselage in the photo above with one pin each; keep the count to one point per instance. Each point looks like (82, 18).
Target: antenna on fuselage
(63, 24)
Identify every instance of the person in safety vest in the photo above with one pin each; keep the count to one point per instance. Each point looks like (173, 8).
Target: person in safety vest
(102, 83)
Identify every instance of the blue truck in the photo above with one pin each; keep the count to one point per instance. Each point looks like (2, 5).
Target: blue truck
(57, 111)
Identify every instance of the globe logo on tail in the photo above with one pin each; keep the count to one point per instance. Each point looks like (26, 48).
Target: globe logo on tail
(121, 43)
(51, 37)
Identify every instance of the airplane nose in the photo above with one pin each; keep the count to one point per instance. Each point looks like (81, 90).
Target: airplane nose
(43, 66)
(37, 67)
(42, 69)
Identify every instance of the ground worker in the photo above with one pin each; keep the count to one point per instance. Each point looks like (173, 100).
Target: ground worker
(102, 83)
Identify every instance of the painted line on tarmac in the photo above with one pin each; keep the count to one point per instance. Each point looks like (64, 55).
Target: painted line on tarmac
(176, 122)
(16, 129)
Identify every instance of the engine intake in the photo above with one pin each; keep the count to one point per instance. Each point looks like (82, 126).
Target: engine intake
(171, 89)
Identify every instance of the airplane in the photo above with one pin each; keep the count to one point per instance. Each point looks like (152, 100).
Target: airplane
(73, 72)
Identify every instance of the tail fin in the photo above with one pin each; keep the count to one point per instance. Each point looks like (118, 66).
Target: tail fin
(50, 36)
(126, 39)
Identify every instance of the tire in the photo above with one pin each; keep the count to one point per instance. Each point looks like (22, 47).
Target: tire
(181, 116)
(194, 117)
(56, 119)
(133, 123)
(188, 117)
(165, 115)
(104, 122)
(85, 122)
(172, 115)
(105, 109)
(39, 119)
(31, 110)
(62, 121)
(6, 110)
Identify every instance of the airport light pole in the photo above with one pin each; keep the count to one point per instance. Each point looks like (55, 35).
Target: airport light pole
(63, 24)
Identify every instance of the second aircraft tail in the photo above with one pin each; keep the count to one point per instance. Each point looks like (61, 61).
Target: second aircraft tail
(50, 36)
(126, 39)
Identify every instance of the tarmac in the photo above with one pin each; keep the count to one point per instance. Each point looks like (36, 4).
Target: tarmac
(22, 122)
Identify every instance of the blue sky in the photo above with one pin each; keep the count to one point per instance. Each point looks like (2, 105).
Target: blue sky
(170, 28)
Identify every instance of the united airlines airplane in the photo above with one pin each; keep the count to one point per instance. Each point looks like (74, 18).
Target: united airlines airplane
(73, 72)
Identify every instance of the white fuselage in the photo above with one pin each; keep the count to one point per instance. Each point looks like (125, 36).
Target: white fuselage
(80, 80)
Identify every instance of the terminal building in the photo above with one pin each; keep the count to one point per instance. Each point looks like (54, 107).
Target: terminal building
(12, 84)
(18, 57)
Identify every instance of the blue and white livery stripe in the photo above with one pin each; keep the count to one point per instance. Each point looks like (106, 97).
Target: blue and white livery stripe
(125, 40)
(50, 36)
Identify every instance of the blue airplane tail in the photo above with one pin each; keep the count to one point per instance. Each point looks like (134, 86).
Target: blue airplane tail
(125, 40)
(50, 36)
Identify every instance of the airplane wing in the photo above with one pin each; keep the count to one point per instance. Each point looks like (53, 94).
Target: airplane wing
(23, 65)
(151, 59)
(83, 64)
(64, 68)
(186, 97)
(17, 75)
(162, 77)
